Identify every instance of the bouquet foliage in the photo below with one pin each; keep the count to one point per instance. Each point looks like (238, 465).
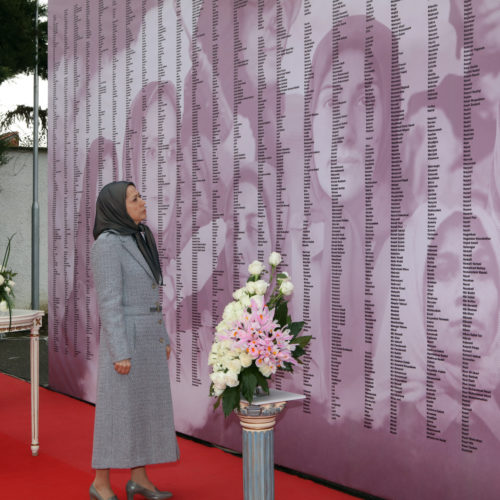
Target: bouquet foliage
(7, 284)
(255, 338)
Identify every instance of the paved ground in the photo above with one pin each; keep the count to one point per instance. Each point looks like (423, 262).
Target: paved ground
(15, 355)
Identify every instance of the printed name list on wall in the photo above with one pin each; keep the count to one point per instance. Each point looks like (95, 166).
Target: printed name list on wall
(358, 138)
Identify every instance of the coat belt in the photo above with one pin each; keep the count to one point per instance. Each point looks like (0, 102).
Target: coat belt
(138, 310)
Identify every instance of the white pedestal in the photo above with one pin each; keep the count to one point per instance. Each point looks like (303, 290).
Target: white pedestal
(257, 421)
(23, 320)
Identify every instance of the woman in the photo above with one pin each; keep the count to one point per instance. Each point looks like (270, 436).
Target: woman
(351, 135)
(134, 419)
(449, 359)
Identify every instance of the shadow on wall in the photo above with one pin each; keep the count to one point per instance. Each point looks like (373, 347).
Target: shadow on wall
(16, 195)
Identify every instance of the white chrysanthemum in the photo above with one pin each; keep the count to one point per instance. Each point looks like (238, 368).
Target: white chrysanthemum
(226, 345)
(228, 311)
(245, 301)
(222, 327)
(11, 283)
(274, 259)
(238, 294)
(3, 306)
(232, 312)
(238, 311)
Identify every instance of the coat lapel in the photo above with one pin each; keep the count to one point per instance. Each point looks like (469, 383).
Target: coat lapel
(130, 245)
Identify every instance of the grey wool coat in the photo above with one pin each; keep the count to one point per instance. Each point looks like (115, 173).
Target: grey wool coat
(134, 422)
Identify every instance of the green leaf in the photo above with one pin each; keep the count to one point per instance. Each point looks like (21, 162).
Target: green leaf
(295, 328)
(281, 313)
(6, 255)
(230, 400)
(217, 403)
(302, 341)
(248, 384)
(287, 367)
(298, 352)
(262, 382)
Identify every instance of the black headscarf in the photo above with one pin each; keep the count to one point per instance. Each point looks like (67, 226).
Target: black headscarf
(111, 215)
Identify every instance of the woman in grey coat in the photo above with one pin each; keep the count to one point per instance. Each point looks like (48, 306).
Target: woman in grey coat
(134, 423)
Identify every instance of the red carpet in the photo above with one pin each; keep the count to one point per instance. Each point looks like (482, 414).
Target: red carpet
(62, 468)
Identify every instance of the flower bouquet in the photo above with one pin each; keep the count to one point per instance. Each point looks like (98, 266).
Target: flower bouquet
(255, 338)
(6, 284)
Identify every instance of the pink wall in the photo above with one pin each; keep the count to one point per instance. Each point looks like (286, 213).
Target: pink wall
(359, 139)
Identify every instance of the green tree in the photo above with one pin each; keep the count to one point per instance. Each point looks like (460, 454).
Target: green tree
(17, 54)
(18, 36)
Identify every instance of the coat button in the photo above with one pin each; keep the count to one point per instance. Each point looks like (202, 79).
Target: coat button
(161, 340)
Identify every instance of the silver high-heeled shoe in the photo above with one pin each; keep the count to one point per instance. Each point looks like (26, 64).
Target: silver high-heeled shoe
(94, 495)
(133, 488)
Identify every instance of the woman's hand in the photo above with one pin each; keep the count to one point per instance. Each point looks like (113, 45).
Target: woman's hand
(168, 350)
(122, 367)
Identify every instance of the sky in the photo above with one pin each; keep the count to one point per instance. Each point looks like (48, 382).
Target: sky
(19, 90)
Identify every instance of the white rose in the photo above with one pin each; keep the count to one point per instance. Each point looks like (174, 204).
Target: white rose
(259, 300)
(217, 391)
(11, 283)
(250, 287)
(274, 259)
(260, 287)
(2, 279)
(286, 287)
(3, 306)
(218, 379)
(266, 370)
(231, 379)
(255, 268)
(7, 289)
(245, 359)
(234, 365)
